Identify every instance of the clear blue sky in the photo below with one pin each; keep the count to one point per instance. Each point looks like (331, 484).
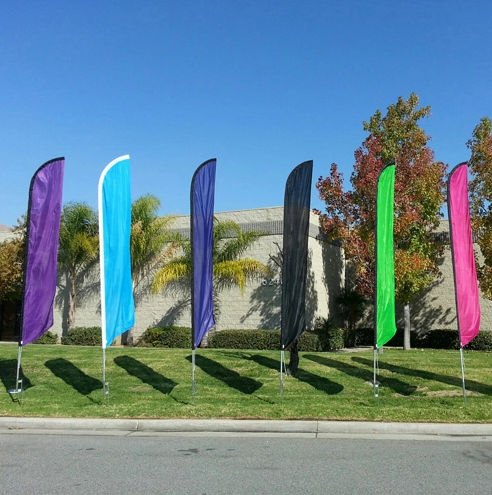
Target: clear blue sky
(261, 85)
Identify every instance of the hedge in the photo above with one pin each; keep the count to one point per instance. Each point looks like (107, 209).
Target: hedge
(267, 340)
(245, 339)
(47, 338)
(322, 339)
(437, 339)
(440, 338)
(83, 336)
(169, 337)
(482, 342)
(325, 338)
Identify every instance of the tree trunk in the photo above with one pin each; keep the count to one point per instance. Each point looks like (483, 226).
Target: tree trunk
(127, 338)
(71, 300)
(406, 332)
(294, 358)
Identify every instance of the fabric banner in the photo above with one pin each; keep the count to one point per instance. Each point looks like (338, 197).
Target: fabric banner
(297, 204)
(465, 274)
(117, 304)
(40, 269)
(202, 224)
(385, 319)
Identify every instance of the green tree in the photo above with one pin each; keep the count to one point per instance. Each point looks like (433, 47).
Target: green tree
(229, 269)
(78, 248)
(480, 188)
(419, 194)
(12, 255)
(151, 244)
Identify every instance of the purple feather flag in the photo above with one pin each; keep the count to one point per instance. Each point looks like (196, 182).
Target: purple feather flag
(202, 220)
(465, 274)
(40, 270)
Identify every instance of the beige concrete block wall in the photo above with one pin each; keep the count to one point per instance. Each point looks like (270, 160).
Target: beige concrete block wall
(436, 308)
(257, 307)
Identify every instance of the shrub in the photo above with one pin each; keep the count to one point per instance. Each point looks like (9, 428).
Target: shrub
(336, 339)
(245, 339)
(349, 337)
(439, 339)
(364, 337)
(434, 339)
(397, 339)
(169, 337)
(449, 339)
(260, 340)
(309, 342)
(332, 338)
(47, 338)
(482, 342)
(83, 336)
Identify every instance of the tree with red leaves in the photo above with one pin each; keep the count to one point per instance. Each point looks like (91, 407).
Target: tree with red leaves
(481, 199)
(419, 194)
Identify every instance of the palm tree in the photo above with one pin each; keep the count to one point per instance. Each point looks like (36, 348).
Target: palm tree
(352, 305)
(229, 269)
(78, 248)
(151, 243)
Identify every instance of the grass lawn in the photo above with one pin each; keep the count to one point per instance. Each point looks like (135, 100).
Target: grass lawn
(417, 385)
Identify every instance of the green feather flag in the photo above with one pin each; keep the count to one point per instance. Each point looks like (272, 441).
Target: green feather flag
(385, 263)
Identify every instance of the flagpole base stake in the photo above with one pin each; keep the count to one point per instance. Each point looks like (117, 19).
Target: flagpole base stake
(19, 390)
(376, 390)
(106, 390)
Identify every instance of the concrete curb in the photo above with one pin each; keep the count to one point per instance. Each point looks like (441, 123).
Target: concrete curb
(244, 426)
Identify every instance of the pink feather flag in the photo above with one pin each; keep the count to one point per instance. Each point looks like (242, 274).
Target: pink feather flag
(465, 274)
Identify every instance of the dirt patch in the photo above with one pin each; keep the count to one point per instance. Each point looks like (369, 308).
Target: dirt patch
(450, 393)
(139, 389)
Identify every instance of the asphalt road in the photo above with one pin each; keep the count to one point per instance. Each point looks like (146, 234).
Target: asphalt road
(227, 464)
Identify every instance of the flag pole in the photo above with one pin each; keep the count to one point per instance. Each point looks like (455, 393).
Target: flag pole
(193, 391)
(39, 264)
(384, 272)
(18, 380)
(282, 359)
(464, 270)
(105, 383)
(463, 372)
(375, 384)
(202, 194)
(117, 303)
(294, 257)
(102, 278)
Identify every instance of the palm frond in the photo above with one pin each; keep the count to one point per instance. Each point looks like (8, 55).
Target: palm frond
(238, 272)
(234, 248)
(229, 243)
(174, 270)
(225, 229)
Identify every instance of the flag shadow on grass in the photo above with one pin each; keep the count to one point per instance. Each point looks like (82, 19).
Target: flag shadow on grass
(146, 374)
(73, 376)
(8, 375)
(230, 377)
(318, 382)
(365, 374)
(471, 385)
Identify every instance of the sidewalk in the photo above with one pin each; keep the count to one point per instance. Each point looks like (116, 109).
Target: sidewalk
(211, 427)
